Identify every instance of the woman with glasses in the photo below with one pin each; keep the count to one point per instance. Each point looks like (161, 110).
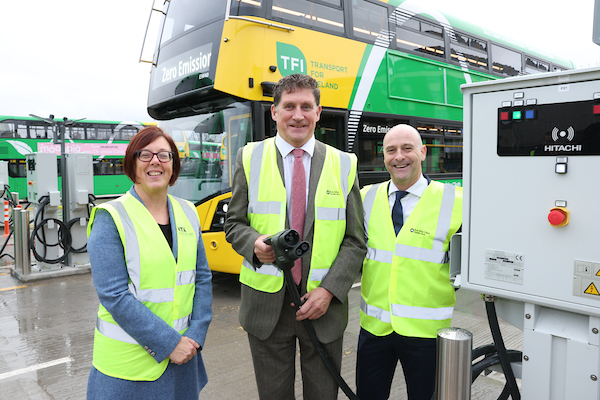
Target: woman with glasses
(153, 282)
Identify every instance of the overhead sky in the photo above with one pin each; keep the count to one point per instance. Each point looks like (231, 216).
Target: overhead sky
(79, 59)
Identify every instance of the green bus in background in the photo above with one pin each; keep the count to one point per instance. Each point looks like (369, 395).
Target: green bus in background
(105, 140)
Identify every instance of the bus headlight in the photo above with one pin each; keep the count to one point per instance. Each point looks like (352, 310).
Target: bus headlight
(220, 214)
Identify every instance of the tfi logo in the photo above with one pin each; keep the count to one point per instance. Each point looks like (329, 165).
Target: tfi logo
(290, 59)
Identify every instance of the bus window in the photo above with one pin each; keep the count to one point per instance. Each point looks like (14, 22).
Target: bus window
(533, 66)
(77, 133)
(184, 15)
(37, 131)
(506, 62)
(370, 21)
(16, 169)
(306, 12)
(420, 36)
(105, 167)
(247, 7)
(128, 132)
(103, 133)
(465, 48)
(214, 140)
(444, 149)
(7, 130)
(21, 130)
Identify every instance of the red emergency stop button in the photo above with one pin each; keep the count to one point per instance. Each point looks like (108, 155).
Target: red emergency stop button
(558, 217)
(30, 183)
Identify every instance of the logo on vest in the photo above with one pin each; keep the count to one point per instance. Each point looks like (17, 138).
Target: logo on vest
(333, 192)
(182, 230)
(419, 232)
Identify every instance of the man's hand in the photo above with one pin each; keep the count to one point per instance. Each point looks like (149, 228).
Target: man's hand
(184, 351)
(316, 303)
(263, 251)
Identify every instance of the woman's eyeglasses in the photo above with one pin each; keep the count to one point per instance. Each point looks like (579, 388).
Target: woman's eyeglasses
(147, 156)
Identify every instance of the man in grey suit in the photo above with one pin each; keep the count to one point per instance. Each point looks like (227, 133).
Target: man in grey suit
(332, 222)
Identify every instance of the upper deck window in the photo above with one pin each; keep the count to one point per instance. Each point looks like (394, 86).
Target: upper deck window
(533, 66)
(306, 12)
(420, 36)
(183, 15)
(370, 21)
(247, 7)
(505, 61)
(465, 48)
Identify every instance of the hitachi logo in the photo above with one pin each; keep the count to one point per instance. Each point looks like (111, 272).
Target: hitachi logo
(562, 147)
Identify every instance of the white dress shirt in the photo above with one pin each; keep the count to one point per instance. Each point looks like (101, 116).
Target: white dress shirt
(288, 164)
(409, 202)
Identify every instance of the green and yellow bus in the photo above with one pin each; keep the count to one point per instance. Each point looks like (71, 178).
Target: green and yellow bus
(378, 63)
(105, 140)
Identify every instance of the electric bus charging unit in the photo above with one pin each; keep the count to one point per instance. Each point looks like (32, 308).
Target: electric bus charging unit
(42, 192)
(531, 214)
(81, 187)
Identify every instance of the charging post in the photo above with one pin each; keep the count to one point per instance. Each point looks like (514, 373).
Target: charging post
(81, 185)
(42, 192)
(529, 222)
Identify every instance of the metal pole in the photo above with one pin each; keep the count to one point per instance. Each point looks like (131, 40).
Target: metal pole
(65, 181)
(453, 375)
(18, 252)
(26, 252)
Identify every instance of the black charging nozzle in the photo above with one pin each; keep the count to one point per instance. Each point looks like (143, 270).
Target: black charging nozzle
(287, 248)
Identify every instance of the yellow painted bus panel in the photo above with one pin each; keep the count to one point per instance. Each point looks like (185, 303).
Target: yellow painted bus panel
(220, 254)
(333, 61)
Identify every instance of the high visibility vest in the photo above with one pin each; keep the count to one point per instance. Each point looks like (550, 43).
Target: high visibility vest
(159, 282)
(405, 285)
(267, 210)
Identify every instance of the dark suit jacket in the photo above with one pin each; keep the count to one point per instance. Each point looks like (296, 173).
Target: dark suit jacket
(259, 311)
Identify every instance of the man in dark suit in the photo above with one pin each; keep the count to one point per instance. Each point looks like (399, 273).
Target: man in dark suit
(331, 220)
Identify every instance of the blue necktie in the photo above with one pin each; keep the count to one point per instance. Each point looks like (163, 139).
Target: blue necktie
(397, 213)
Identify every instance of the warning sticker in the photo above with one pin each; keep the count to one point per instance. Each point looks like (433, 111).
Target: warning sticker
(504, 266)
(592, 290)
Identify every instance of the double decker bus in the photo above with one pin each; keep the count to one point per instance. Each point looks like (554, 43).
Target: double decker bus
(105, 140)
(378, 64)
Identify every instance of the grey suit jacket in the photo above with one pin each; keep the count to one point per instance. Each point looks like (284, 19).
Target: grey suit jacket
(259, 311)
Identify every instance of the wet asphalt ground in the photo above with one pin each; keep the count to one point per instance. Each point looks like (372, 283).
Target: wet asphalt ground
(47, 326)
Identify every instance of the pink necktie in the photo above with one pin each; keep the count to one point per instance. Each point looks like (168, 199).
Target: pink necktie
(298, 206)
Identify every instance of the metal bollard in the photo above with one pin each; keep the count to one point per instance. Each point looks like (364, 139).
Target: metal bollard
(18, 251)
(25, 251)
(453, 374)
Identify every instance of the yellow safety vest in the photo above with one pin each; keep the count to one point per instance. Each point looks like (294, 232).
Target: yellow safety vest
(267, 210)
(405, 285)
(159, 282)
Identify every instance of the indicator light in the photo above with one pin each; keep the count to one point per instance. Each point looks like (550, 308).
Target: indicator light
(529, 114)
(504, 116)
(596, 108)
(558, 217)
(516, 115)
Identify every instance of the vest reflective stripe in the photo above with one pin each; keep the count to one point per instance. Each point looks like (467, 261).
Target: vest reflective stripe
(331, 214)
(317, 275)
(267, 208)
(159, 281)
(254, 205)
(420, 258)
(375, 316)
(375, 312)
(419, 254)
(265, 269)
(403, 311)
(379, 255)
(114, 331)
